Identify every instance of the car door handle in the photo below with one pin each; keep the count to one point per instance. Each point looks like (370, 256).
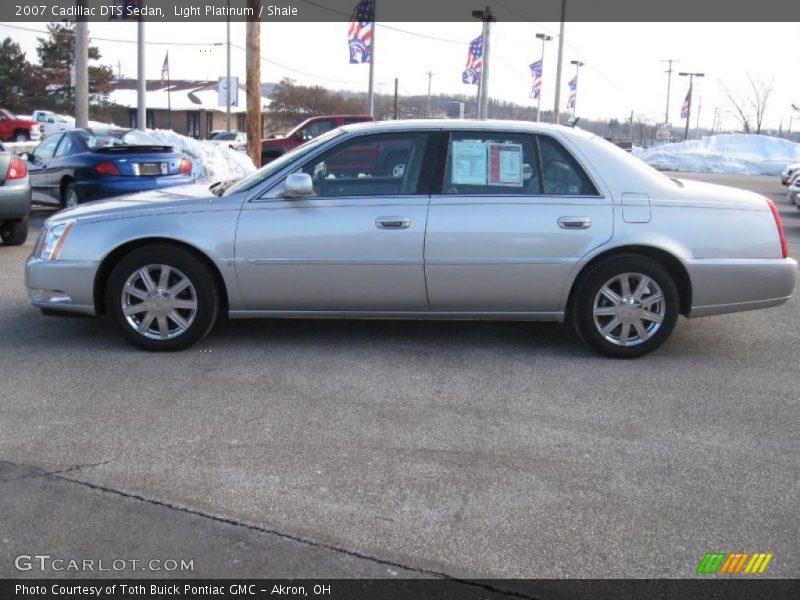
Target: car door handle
(392, 222)
(574, 222)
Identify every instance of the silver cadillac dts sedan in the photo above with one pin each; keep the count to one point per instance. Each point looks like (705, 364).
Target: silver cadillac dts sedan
(422, 220)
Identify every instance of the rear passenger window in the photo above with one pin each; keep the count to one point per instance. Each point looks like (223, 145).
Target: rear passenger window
(563, 176)
(491, 163)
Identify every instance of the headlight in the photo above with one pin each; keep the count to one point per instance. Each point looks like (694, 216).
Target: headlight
(54, 239)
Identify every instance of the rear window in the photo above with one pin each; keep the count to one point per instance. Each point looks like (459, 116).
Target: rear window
(109, 139)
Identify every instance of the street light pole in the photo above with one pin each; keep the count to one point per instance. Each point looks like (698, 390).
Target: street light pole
(483, 102)
(228, 75)
(669, 82)
(578, 64)
(544, 38)
(141, 83)
(556, 107)
(691, 77)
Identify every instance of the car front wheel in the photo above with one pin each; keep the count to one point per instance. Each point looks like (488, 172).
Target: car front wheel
(626, 306)
(162, 298)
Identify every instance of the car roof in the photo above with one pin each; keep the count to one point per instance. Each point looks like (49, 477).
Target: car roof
(463, 124)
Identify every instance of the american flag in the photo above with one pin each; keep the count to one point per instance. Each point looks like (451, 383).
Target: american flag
(573, 92)
(536, 71)
(685, 106)
(165, 68)
(472, 74)
(359, 34)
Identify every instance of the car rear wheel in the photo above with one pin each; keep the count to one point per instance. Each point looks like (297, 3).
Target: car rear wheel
(162, 298)
(69, 196)
(14, 232)
(626, 306)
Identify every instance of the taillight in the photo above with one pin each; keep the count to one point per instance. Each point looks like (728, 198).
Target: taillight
(186, 166)
(777, 216)
(107, 168)
(16, 168)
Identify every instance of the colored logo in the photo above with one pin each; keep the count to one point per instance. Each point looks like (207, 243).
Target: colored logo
(734, 563)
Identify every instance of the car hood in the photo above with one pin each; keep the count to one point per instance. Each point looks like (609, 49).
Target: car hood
(173, 199)
(719, 196)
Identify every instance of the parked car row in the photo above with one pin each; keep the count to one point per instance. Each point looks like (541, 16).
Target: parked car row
(790, 177)
(480, 220)
(71, 167)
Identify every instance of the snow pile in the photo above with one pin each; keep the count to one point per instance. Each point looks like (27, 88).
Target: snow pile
(210, 162)
(736, 153)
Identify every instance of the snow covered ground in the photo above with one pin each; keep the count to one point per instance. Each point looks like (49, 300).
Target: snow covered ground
(730, 153)
(210, 162)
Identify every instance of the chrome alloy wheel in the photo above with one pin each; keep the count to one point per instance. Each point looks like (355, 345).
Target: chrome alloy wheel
(159, 302)
(629, 309)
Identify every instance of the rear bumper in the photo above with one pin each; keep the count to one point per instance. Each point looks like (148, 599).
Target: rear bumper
(15, 201)
(722, 286)
(96, 189)
(59, 285)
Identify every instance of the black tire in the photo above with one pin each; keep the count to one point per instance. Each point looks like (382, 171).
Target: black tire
(68, 191)
(14, 232)
(21, 136)
(205, 294)
(587, 325)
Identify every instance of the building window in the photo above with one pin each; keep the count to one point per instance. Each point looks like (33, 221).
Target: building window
(150, 120)
(209, 123)
(240, 124)
(193, 124)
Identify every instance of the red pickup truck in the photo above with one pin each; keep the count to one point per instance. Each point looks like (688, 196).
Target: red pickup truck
(18, 130)
(273, 147)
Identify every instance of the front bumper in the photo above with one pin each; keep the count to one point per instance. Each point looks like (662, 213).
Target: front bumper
(96, 189)
(721, 286)
(61, 285)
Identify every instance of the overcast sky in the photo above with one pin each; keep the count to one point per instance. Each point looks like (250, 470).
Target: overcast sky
(623, 69)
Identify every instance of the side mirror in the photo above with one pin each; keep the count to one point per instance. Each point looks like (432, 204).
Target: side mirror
(298, 185)
(300, 136)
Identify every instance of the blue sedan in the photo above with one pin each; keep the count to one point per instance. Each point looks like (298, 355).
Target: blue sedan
(71, 167)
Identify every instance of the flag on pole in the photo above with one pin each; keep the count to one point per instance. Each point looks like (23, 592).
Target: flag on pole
(795, 108)
(573, 92)
(536, 71)
(165, 69)
(359, 34)
(472, 74)
(685, 106)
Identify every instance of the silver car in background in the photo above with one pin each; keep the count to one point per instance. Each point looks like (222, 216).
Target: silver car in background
(423, 220)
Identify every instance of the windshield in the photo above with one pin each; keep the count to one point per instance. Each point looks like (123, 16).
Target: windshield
(109, 139)
(276, 165)
(224, 136)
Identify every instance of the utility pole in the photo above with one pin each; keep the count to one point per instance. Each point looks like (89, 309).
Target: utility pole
(119, 70)
(544, 38)
(578, 64)
(371, 89)
(141, 82)
(556, 107)
(691, 77)
(228, 75)
(697, 122)
(714, 122)
(82, 72)
(395, 98)
(428, 110)
(253, 64)
(487, 17)
(669, 82)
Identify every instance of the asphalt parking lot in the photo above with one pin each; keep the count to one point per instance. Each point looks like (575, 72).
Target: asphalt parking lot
(361, 449)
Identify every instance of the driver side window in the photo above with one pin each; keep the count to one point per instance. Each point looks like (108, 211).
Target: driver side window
(47, 148)
(318, 128)
(371, 165)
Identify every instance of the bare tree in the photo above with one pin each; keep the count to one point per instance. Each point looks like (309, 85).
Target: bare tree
(750, 106)
(758, 101)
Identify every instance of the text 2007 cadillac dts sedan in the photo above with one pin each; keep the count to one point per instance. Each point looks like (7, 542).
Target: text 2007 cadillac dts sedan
(423, 220)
